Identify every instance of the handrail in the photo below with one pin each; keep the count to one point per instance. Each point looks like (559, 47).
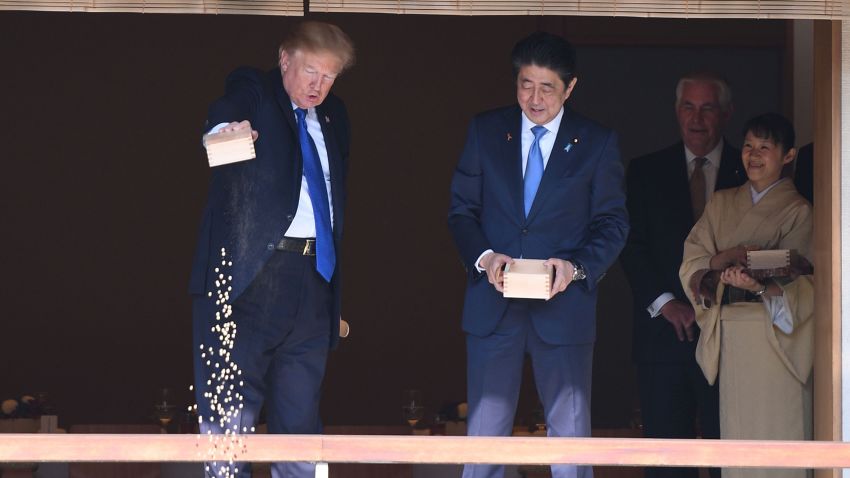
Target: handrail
(38, 447)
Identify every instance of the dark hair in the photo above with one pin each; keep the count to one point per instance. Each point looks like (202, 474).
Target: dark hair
(774, 127)
(548, 51)
(316, 37)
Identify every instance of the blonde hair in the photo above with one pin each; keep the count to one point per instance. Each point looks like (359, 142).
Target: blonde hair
(316, 37)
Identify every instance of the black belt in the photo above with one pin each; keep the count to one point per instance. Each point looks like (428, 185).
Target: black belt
(732, 295)
(303, 246)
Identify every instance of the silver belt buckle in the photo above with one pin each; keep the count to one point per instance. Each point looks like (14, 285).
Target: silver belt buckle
(307, 243)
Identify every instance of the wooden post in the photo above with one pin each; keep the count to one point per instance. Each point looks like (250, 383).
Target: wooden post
(827, 234)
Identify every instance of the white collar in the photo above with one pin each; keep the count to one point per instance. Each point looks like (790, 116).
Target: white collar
(757, 196)
(713, 157)
(551, 126)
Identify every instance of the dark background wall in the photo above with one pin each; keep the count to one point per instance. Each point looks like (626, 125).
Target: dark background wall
(103, 179)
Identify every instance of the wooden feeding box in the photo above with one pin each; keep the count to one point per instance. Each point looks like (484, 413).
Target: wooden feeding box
(528, 279)
(229, 147)
(769, 263)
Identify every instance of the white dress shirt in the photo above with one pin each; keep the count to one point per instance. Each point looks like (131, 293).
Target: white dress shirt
(303, 224)
(709, 169)
(546, 143)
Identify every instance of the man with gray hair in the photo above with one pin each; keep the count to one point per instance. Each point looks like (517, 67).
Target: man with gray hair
(667, 191)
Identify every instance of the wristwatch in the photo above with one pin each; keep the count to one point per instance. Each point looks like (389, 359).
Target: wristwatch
(761, 292)
(578, 271)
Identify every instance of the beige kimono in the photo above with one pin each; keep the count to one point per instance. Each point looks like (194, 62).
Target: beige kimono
(765, 385)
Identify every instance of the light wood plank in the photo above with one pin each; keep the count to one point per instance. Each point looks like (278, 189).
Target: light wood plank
(431, 449)
(827, 233)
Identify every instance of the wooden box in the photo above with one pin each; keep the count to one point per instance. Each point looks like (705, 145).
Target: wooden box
(229, 147)
(768, 263)
(528, 279)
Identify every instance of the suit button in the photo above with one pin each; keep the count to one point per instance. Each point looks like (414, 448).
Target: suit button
(270, 246)
(525, 232)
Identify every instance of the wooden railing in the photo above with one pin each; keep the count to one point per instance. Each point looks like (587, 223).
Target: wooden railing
(325, 449)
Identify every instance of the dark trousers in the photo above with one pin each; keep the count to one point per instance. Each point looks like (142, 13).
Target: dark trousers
(283, 323)
(674, 399)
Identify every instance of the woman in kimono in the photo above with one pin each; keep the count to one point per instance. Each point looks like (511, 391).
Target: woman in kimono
(756, 335)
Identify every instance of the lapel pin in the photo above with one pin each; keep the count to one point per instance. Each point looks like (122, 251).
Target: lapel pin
(328, 120)
(568, 147)
(510, 137)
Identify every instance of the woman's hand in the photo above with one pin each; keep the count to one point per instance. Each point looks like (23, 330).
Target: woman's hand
(736, 277)
(735, 256)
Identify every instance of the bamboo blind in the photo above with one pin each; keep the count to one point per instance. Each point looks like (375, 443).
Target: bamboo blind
(760, 9)
(215, 7)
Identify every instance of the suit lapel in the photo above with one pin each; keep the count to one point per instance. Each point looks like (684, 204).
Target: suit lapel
(674, 174)
(284, 102)
(295, 166)
(729, 173)
(511, 153)
(566, 149)
(288, 166)
(334, 157)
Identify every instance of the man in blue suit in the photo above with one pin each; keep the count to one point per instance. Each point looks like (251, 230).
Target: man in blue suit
(536, 181)
(267, 257)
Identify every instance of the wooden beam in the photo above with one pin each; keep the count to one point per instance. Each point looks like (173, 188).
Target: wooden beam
(827, 233)
(429, 449)
(670, 33)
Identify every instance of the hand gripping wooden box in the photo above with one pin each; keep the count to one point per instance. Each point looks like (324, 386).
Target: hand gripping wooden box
(769, 263)
(528, 279)
(229, 147)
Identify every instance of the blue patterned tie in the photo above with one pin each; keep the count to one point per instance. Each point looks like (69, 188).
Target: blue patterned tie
(533, 168)
(325, 257)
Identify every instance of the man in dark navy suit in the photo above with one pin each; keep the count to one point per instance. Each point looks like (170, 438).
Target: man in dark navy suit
(667, 191)
(269, 244)
(536, 181)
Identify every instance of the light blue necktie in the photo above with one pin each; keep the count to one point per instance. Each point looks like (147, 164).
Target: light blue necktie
(325, 257)
(533, 168)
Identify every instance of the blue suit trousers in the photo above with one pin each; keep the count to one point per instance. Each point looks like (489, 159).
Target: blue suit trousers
(494, 373)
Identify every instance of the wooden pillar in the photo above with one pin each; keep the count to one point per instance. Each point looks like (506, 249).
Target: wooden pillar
(827, 233)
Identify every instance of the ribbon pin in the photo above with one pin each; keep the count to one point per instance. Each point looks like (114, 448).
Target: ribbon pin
(568, 147)
(510, 137)
(328, 120)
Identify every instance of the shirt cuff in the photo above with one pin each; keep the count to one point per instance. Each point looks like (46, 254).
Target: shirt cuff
(217, 128)
(478, 261)
(654, 308)
(778, 310)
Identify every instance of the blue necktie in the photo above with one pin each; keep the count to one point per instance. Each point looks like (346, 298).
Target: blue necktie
(533, 168)
(325, 257)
